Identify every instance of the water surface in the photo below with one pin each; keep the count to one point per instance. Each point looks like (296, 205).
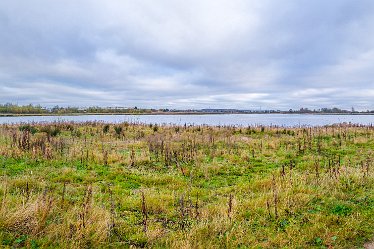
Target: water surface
(287, 120)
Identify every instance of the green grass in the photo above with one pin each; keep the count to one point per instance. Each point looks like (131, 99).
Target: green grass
(68, 185)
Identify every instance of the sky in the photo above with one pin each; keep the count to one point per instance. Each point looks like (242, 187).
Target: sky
(243, 54)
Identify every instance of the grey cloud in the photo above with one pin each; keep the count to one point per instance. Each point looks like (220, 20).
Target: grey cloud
(183, 54)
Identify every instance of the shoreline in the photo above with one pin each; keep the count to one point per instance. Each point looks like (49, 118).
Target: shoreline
(170, 113)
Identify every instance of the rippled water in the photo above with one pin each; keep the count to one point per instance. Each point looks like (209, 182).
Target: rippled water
(288, 120)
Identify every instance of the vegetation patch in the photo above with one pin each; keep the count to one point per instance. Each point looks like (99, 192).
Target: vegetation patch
(96, 185)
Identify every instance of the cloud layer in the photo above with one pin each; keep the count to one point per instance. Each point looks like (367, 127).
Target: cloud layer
(188, 54)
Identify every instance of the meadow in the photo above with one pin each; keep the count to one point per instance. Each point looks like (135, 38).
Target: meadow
(97, 185)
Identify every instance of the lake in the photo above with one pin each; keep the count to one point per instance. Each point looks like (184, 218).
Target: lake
(287, 120)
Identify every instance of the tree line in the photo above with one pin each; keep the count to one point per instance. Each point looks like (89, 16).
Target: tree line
(10, 108)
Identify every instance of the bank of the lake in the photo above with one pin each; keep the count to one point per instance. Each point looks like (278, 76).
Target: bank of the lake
(127, 185)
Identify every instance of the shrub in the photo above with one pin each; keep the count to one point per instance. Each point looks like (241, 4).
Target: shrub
(118, 130)
(106, 128)
(28, 128)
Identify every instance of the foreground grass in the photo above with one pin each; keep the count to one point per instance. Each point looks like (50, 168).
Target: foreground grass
(93, 185)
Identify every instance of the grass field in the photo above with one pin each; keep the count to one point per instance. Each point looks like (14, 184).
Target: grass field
(95, 185)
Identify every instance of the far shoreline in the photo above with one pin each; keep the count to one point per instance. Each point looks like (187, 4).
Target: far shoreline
(172, 113)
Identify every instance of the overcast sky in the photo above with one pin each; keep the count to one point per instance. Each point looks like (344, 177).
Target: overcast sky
(244, 54)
